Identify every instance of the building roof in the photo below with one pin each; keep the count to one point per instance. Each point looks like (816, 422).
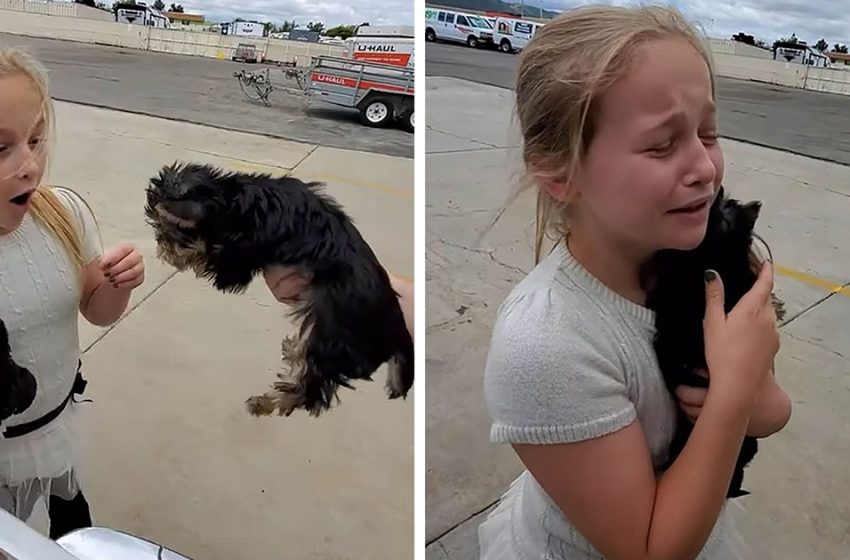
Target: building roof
(180, 16)
(839, 56)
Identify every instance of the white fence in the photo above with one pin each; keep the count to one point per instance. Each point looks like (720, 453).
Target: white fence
(67, 9)
(176, 41)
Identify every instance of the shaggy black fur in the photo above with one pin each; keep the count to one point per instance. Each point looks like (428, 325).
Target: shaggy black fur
(228, 226)
(678, 298)
(17, 385)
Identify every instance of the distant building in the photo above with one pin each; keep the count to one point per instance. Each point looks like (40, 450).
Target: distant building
(304, 35)
(800, 53)
(185, 19)
(839, 59)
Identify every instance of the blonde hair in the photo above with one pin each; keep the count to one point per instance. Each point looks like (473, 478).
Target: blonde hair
(563, 73)
(46, 207)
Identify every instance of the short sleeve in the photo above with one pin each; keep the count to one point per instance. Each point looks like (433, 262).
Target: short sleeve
(92, 247)
(553, 373)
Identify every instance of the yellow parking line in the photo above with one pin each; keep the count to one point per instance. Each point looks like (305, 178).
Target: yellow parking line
(324, 178)
(810, 280)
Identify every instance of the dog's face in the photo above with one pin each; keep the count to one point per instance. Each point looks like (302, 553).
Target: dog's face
(730, 225)
(177, 204)
(195, 210)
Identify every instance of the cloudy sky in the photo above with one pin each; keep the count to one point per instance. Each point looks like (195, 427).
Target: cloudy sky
(329, 12)
(765, 19)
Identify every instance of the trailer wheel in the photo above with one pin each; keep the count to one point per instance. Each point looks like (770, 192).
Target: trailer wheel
(407, 119)
(430, 35)
(376, 111)
(505, 46)
(472, 41)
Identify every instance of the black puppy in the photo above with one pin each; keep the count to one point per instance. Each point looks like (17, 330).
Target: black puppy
(17, 384)
(228, 226)
(677, 296)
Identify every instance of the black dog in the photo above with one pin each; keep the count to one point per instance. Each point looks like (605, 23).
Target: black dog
(228, 226)
(17, 384)
(678, 299)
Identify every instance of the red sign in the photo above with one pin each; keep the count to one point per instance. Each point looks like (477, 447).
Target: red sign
(392, 58)
(351, 82)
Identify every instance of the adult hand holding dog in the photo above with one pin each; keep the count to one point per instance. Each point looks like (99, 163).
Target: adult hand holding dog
(740, 347)
(287, 282)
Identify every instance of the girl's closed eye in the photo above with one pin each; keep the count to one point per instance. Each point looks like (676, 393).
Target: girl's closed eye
(662, 148)
(709, 137)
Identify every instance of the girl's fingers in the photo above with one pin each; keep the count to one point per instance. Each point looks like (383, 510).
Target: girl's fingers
(693, 396)
(127, 263)
(128, 277)
(692, 412)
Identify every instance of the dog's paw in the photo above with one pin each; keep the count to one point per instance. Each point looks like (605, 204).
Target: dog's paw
(395, 380)
(286, 397)
(261, 405)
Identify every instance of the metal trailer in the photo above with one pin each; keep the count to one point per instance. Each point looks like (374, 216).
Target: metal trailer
(381, 92)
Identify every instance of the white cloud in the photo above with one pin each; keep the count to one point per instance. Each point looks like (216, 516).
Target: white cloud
(329, 12)
(767, 20)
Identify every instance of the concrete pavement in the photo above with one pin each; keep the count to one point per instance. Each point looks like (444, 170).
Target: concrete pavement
(804, 122)
(173, 455)
(797, 509)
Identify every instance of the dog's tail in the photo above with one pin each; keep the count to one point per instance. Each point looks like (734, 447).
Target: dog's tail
(400, 374)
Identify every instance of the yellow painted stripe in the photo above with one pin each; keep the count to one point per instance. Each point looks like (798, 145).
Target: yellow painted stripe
(324, 178)
(811, 280)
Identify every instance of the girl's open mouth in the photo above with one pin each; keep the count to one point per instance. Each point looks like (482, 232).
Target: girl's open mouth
(691, 209)
(22, 198)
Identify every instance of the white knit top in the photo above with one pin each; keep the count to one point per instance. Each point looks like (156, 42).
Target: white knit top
(570, 360)
(39, 302)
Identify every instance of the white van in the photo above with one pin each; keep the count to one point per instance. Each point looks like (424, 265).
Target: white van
(459, 27)
(513, 34)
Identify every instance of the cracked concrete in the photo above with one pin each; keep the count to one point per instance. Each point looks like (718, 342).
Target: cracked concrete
(797, 509)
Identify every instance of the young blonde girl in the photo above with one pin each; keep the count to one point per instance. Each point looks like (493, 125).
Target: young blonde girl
(617, 112)
(51, 271)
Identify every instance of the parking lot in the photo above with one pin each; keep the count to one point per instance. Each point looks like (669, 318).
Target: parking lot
(803, 122)
(200, 90)
(799, 478)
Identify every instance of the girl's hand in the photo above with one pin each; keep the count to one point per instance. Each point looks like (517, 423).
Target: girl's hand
(691, 399)
(124, 267)
(740, 347)
(771, 410)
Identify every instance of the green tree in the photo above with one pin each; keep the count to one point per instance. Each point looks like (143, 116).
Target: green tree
(318, 27)
(839, 48)
(178, 8)
(822, 45)
(341, 31)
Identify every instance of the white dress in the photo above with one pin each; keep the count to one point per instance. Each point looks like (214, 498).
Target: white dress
(39, 302)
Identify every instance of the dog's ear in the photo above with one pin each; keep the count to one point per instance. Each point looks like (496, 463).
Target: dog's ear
(751, 212)
(185, 209)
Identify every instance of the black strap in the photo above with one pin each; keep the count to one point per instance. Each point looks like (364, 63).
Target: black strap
(78, 388)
